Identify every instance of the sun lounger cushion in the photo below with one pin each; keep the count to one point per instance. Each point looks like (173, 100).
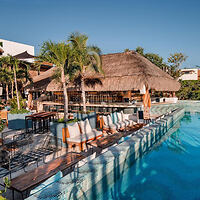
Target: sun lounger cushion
(105, 120)
(119, 116)
(130, 118)
(109, 120)
(74, 130)
(85, 137)
(49, 181)
(115, 119)
(107, 124)
(124, 119)
(118, 125)
(111, 126)
(85, 126)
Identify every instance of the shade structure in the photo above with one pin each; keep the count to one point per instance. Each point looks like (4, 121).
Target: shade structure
(147, 99)
(147, 104)
(24, 55)
(131, 71)
(122, 72)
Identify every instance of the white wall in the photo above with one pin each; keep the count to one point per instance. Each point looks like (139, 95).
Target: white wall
(14, 48)
(193, 75)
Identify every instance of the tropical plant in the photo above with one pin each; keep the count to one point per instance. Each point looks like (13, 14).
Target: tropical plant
(190, 90)
(175, 60)
(7, 64)
(59, 55)
(15, 65)
(7, 183)
(14, 105)
(84, 58)
(2, 124)
(126, 50)
(154, 58)
(140, 50)
(13, 71)
(6, 78)
(62, 120)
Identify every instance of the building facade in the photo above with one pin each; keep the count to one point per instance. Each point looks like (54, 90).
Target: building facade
(15, 48)
(190, 74)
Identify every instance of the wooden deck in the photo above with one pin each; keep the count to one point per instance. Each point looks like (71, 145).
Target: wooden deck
(32, 178)
(109, 140)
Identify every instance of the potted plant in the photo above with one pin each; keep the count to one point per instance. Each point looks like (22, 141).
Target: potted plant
(16, 117)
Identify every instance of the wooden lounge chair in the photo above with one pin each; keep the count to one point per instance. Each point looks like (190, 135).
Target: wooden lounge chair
(78, 134)
(120, 120)
(114, 123)
(130, 118)
(110, 126)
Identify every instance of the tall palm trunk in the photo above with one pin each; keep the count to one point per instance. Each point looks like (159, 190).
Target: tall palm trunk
(16, 88)
(83, 94)
(7, 95)
(12, 89)
(65, 95)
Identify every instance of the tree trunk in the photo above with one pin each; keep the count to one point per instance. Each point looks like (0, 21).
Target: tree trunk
(7, 95)
(12, 89)
(83, 94)
(65, 95)
(15, 78)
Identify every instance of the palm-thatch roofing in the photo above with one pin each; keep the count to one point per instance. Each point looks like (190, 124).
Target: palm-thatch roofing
(123, 72)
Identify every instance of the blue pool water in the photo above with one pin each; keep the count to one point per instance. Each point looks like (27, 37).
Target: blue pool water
(170, 171)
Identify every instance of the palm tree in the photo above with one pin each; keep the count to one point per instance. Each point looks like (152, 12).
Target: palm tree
(6, 73)
(59, 55)
(13, 71)
(15, 66)
(85, 57)
(6, 78)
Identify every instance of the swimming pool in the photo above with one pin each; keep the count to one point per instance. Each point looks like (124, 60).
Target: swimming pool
(171, 170)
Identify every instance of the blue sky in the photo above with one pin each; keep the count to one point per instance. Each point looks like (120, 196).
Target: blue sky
(159, 26)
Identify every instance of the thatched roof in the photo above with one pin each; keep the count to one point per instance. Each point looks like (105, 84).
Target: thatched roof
(123, 72)
(45, 75)
(45, 82)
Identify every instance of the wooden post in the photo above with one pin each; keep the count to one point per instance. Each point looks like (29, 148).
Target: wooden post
(30, 98)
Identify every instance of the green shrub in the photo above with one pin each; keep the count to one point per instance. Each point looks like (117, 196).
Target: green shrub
(190, 90)
(16, 111)
(69, 121)
(2, 125)
(13, 102)
(87, 112)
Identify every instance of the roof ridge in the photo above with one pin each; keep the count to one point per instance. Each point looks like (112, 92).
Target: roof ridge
(128, 52)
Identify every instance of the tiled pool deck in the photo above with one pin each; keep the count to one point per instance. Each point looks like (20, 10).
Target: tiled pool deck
(109, 165)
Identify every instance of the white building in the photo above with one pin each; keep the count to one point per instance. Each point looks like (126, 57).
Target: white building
(14, 48)
(190, 74)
